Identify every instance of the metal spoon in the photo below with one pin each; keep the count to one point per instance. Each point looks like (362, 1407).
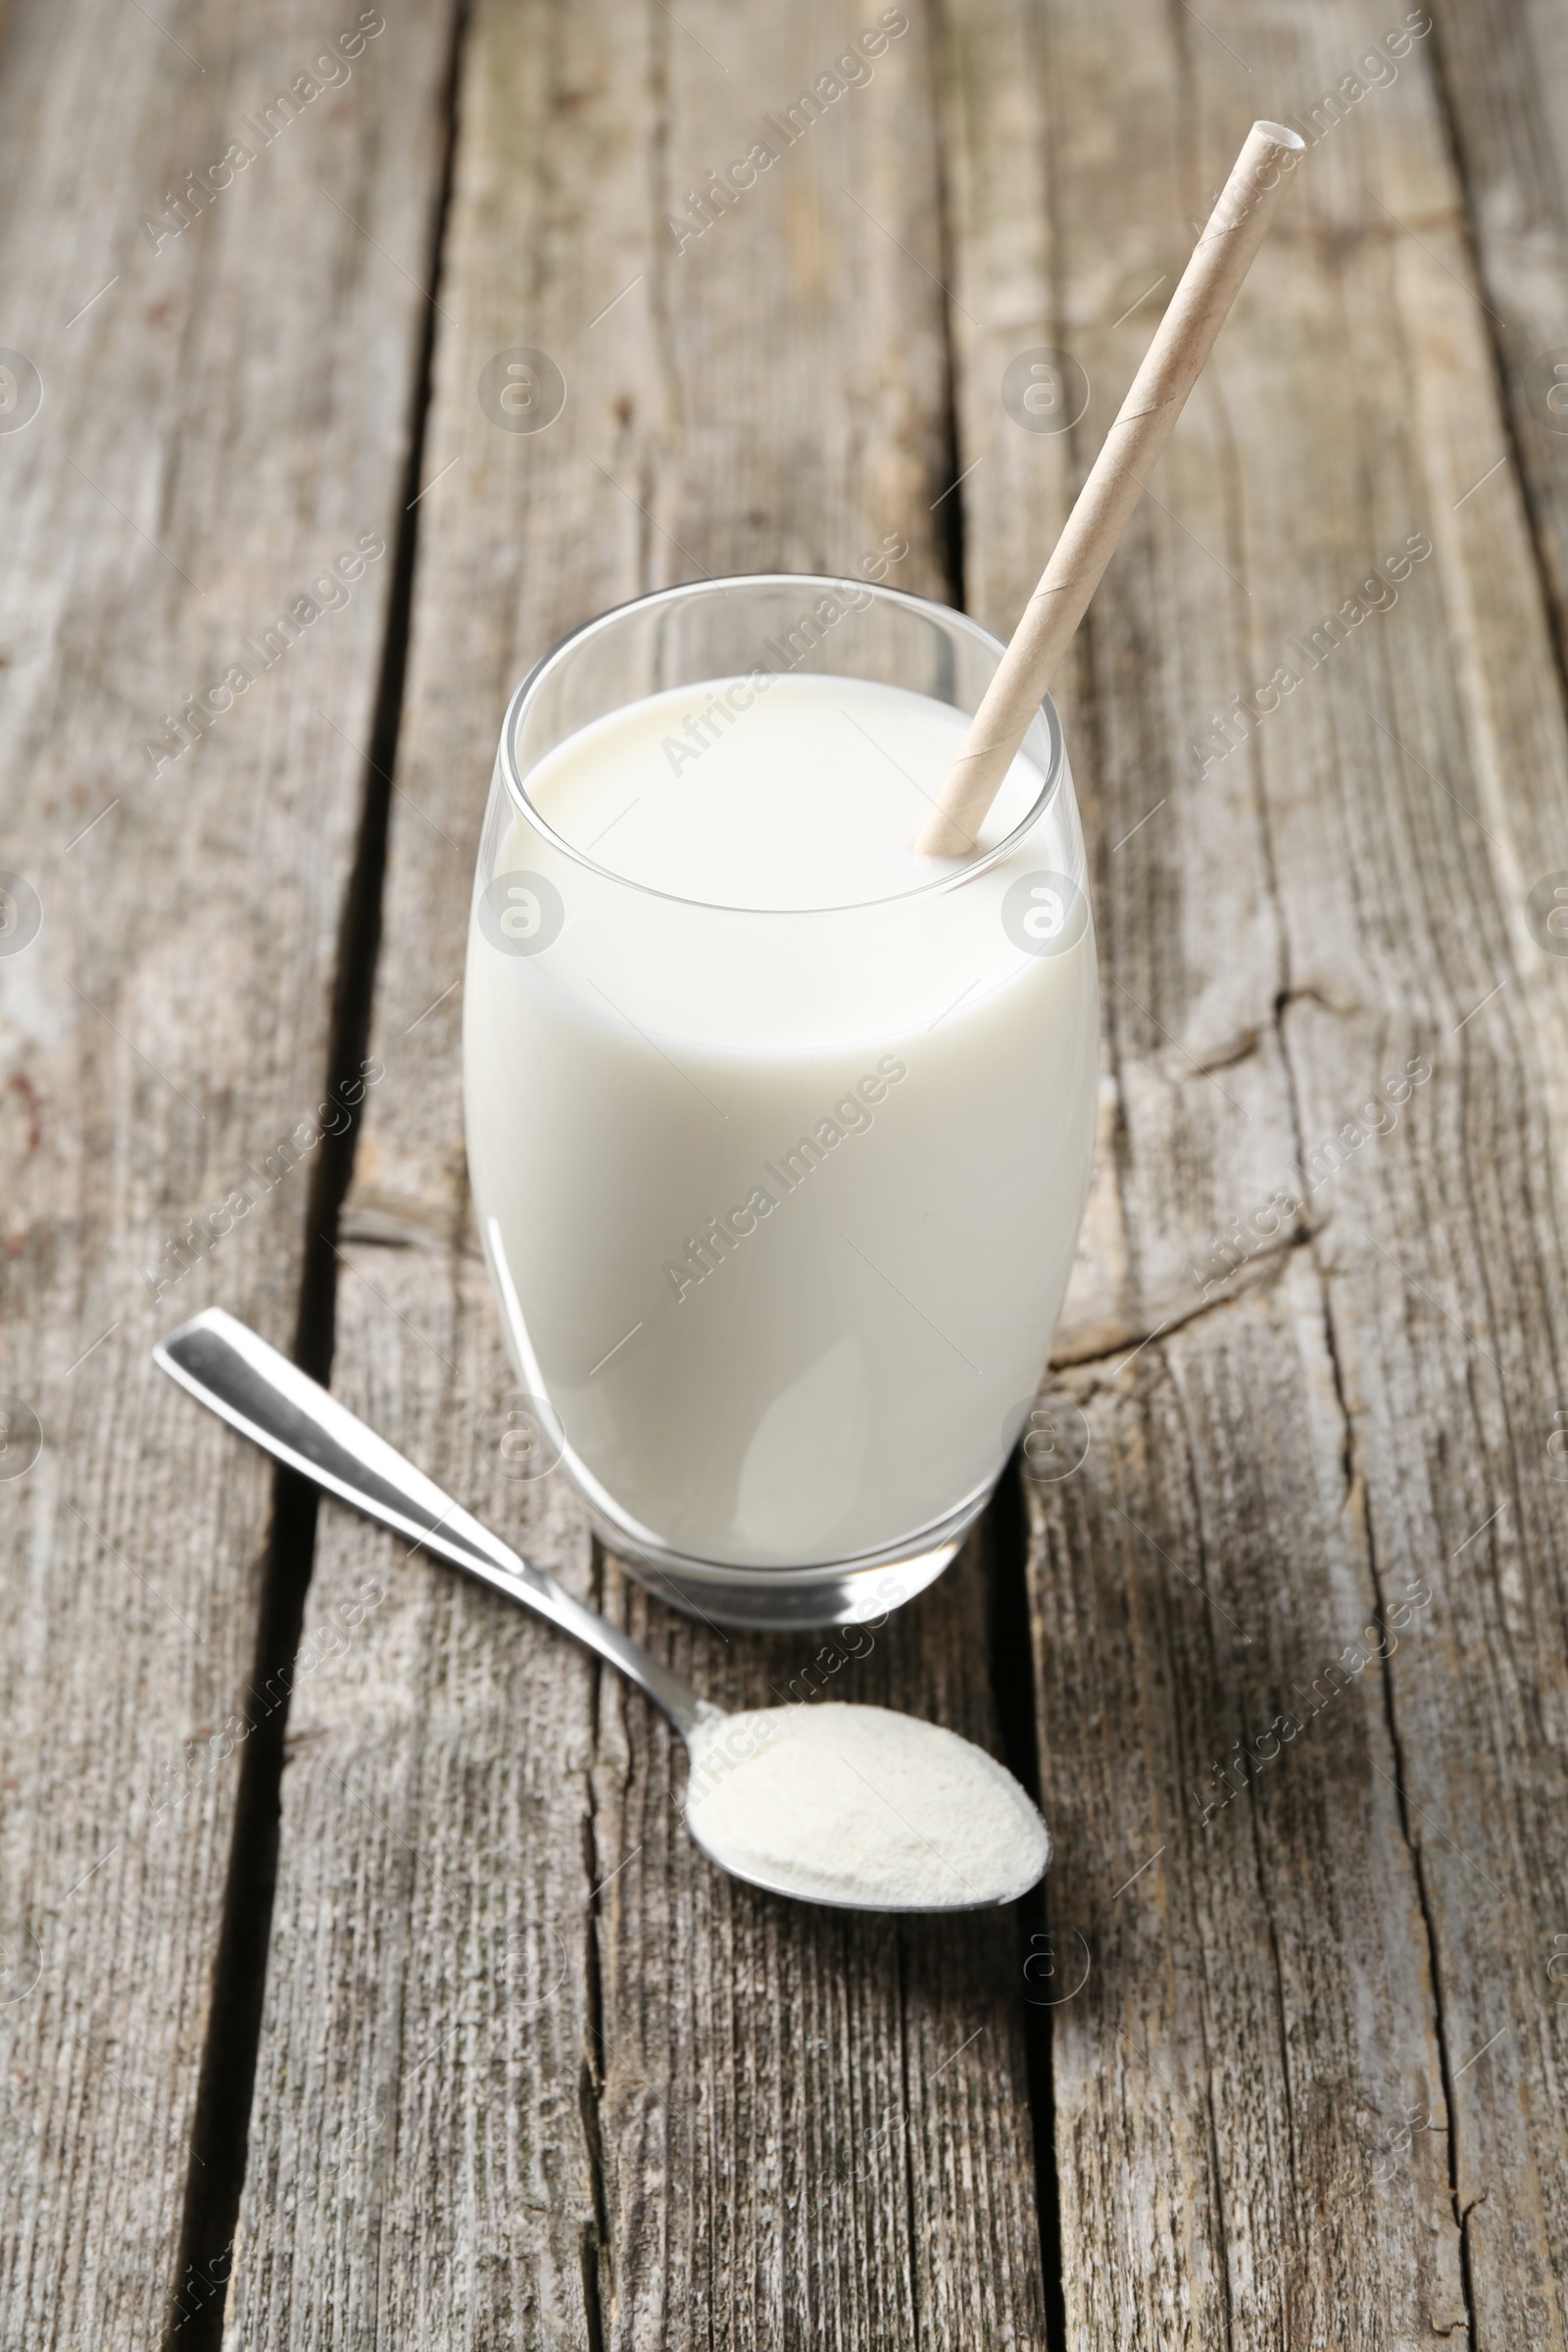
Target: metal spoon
(266, 1399)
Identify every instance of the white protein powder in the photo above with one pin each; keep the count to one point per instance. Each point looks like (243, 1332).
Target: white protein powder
(863, 1807)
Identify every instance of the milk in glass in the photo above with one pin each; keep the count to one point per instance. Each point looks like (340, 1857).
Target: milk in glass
(779, 1135)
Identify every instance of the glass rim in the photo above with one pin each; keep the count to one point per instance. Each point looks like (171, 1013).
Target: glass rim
(517, 790)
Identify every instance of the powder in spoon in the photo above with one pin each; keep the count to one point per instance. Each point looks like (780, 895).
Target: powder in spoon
(861, 1806)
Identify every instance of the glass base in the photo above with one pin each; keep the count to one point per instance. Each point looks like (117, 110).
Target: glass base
(853, 1592)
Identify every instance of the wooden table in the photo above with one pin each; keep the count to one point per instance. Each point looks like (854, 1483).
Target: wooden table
(374, 1974)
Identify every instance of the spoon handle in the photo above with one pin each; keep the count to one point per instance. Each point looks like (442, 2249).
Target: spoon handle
(268, 1399)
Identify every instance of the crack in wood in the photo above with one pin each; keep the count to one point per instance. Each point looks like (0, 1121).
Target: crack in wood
(1261, 1271)
(1004, 1534)
(1352, 1477)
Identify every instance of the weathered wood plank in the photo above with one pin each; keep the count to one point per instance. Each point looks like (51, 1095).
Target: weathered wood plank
(753, 2122)
(1344, 1939)
(422, 2169)
(1258, 2027)
(224, 415)
(1504, 81)
(1447, 1292)
(814, 2125)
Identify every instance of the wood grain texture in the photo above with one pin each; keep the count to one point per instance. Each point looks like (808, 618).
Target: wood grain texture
(1503, 68)
(419, 2167)
(532, 2073)
(222, 417)
(734, 2122)
(1310, 2092)
(1258, 2024)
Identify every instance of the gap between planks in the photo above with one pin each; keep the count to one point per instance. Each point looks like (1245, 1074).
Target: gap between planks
(220, 2135)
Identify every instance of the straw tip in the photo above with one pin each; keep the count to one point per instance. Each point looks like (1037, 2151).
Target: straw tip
(1282, 135)
(940, 839)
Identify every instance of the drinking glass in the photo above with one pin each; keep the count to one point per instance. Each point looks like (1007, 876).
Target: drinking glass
(779, 1204)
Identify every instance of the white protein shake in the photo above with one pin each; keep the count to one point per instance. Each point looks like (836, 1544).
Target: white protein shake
(779, 1136)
